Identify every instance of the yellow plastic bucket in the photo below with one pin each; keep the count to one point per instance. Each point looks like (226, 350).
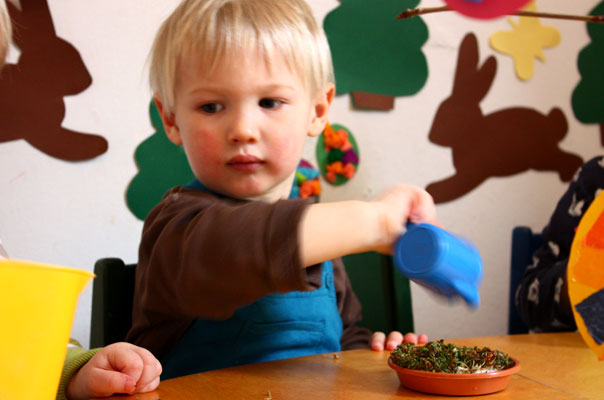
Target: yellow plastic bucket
(37, 306)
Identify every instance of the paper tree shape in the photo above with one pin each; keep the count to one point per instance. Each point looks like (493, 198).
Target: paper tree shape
(588, 96)
(375, 54)
(49, 68)
(502, 143)
(525, 42)
(162, 165)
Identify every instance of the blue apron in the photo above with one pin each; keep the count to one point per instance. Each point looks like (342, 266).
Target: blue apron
(274, 327)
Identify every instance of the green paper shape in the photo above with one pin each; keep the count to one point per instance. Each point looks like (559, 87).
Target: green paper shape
(162, 165)
(334, 155)
(588, 96)
(300, 178)
(375, 52)
(323, 157)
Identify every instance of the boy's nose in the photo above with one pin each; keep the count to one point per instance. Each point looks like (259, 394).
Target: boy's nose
(243, 130)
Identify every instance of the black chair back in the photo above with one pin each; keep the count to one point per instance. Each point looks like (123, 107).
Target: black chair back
(112, 296)
(524, 244)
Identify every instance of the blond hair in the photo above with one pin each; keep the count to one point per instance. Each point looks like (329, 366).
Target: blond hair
(5, 32)
(214, 29)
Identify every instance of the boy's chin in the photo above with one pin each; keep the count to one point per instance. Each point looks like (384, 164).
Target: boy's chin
(267, 195)
(247, 193)
(257, 191)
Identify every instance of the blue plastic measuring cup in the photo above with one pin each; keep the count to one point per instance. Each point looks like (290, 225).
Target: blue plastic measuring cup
(439, 260)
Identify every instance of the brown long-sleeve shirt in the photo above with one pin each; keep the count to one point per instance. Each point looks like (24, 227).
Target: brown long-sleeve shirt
(205, 256)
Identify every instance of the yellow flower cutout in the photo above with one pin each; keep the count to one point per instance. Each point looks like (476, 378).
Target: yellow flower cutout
(525, 42)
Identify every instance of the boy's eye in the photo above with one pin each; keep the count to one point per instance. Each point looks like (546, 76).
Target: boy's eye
(269, 103)
(212, 108)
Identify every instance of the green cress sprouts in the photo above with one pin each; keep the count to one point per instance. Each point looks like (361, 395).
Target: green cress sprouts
(449, 358)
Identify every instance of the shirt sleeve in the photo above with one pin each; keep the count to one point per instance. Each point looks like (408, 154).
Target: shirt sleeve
(539, 298)
(195, 248)
(75, 359)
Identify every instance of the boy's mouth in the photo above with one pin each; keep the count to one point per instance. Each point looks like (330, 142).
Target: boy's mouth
(245, 163)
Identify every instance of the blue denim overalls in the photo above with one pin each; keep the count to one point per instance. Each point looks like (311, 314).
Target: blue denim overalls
(274, 327)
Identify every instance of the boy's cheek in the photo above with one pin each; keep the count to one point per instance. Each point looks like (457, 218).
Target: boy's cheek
(287, 150)
(202, 142)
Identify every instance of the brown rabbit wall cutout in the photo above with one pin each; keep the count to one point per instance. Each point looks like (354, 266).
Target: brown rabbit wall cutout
(503, 143)
(32, 91)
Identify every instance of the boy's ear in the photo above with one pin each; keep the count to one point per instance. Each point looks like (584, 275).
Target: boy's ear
(169, 123)
(322, 103)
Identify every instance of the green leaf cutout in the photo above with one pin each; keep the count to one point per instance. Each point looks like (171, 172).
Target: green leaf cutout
(162, 165)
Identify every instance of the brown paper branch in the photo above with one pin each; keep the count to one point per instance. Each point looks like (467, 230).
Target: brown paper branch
(409, 13)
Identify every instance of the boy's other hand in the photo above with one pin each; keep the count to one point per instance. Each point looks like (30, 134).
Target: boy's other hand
(379, 341)
(118, 368)
(396, 206)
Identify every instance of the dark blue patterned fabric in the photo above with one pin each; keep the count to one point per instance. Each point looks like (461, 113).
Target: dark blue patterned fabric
(538, 295)
(591, 310)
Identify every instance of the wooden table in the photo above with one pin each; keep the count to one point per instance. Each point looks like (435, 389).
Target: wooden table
(553, 366)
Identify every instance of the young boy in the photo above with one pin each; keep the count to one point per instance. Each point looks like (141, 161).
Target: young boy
(230, 270)
(117, 368)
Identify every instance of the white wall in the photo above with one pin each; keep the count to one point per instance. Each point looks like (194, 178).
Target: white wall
(74, 213)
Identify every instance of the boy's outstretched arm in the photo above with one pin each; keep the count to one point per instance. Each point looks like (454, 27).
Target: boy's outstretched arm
(330, 230)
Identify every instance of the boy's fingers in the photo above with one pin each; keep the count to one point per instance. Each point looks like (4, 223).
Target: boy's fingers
(137, 362)
(125, 359)
(105, 383)
(410, 338)
(394, 339)
(151, 370)
(422, 339)
(377, 341)
(150, 386)
(423, 208)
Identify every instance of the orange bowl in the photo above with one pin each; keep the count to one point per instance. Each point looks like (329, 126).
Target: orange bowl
(455, 384)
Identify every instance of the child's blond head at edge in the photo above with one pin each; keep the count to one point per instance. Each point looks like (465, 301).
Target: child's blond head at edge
(5, 33)
(211, 31)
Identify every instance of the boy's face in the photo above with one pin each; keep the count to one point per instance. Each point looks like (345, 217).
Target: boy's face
(243, 127)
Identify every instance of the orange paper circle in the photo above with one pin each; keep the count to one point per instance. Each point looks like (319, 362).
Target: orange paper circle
(585, 269)
(486, 9)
